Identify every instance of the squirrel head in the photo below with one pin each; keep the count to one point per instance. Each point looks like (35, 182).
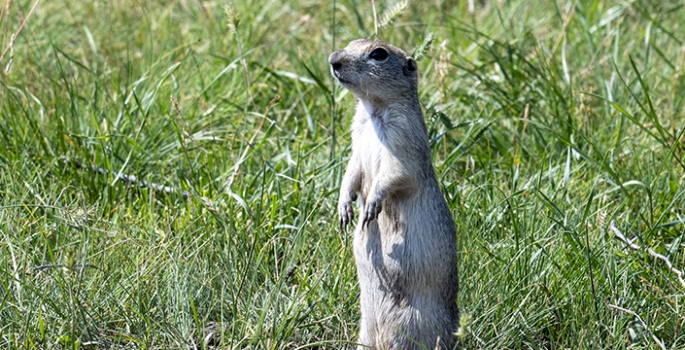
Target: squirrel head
(375, 71)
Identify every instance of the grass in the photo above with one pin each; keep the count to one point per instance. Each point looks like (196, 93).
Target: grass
(548, 121)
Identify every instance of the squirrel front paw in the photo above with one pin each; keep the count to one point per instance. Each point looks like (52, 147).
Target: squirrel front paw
(371, 211)
(346, 213)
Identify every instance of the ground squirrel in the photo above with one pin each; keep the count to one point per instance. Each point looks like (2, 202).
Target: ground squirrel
(405, 240)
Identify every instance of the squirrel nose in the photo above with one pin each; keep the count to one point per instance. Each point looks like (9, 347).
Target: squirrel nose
(335, 59)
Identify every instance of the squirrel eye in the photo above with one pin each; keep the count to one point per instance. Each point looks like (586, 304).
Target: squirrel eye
(379, 54)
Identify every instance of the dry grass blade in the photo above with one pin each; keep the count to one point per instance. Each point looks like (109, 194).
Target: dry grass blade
(393, 13)
(16, 34)
(650, 251)
(642, 322)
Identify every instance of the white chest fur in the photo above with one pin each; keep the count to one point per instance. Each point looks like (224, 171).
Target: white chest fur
(368, 142)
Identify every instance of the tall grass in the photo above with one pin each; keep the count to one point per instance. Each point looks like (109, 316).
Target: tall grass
(548, 121)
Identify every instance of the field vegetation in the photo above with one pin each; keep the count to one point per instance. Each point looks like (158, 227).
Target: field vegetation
(557, 136)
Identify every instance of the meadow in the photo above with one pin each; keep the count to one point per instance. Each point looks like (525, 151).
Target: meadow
(556, 129)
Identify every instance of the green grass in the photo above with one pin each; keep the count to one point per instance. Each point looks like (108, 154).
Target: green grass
(548, 120)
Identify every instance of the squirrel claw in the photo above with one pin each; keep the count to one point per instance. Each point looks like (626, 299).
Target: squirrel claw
(371, 211)
(346, 213)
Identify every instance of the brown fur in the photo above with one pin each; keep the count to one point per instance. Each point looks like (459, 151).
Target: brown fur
(405, 240)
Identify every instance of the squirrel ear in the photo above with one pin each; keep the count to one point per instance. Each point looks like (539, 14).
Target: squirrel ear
(411, 64)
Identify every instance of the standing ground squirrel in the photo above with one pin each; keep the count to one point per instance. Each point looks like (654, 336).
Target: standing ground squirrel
(405, 241)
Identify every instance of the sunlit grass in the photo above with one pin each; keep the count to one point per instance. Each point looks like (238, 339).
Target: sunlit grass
(547, 120)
